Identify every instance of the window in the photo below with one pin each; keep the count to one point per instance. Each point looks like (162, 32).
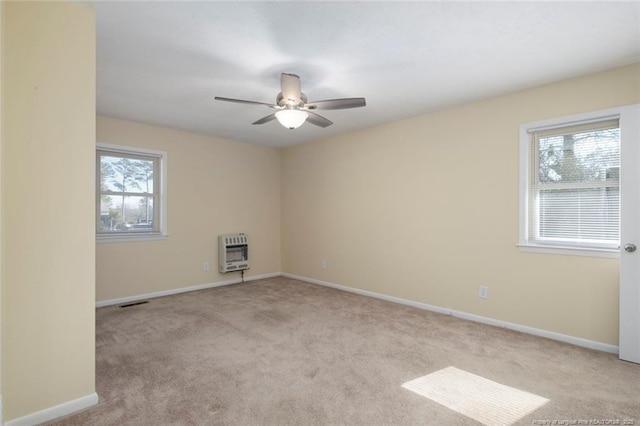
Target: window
(570, 185)
(130, 196)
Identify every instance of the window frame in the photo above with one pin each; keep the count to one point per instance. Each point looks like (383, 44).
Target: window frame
(525, 243)
(160, 210)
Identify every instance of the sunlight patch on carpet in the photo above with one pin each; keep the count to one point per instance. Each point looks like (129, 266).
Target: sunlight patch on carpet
(488, 402)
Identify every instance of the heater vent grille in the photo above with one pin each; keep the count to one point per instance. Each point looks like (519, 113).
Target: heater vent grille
(235, 239)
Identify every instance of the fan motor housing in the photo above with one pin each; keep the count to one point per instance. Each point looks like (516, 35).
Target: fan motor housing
(282, 102)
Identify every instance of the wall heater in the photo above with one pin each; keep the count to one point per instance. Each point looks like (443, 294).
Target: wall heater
(233, 252)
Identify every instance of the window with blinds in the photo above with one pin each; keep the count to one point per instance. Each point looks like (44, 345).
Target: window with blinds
(574, 186)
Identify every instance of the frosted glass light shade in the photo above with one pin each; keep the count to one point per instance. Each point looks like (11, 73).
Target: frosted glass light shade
(291, 118)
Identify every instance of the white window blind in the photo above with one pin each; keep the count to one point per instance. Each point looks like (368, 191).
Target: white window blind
(574, 186)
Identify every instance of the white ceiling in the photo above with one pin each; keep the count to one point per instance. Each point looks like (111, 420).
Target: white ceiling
(162, 63)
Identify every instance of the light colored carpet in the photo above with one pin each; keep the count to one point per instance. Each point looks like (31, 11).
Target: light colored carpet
(284, 352)
(486, 401)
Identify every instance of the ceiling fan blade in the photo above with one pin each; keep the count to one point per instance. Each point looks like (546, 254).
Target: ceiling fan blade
(290, 86)
(266, 119)
(318, 120)
(343, 103)
(240, 101)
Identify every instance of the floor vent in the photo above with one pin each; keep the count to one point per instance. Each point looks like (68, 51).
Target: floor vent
(134, 304)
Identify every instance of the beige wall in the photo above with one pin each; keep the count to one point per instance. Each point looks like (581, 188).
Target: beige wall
(426, 209)
(214, 187)
(48, 248)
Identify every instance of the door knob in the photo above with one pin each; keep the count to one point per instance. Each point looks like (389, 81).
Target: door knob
(629, 248)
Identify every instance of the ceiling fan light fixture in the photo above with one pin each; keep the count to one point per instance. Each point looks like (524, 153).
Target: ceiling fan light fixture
(291, 118)
(291, 105)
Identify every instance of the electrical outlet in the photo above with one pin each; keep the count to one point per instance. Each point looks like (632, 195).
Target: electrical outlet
(323, 264)
(484, 292)
(206, 266)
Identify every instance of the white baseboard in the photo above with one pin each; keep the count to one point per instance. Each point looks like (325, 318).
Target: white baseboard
(138, 297)
(52, 413)
(578, 341)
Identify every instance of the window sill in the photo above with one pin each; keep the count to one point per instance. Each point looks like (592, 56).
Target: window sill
(570, 251)
(129, 238)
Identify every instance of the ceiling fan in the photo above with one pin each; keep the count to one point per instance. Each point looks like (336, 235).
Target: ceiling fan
(292, 106)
